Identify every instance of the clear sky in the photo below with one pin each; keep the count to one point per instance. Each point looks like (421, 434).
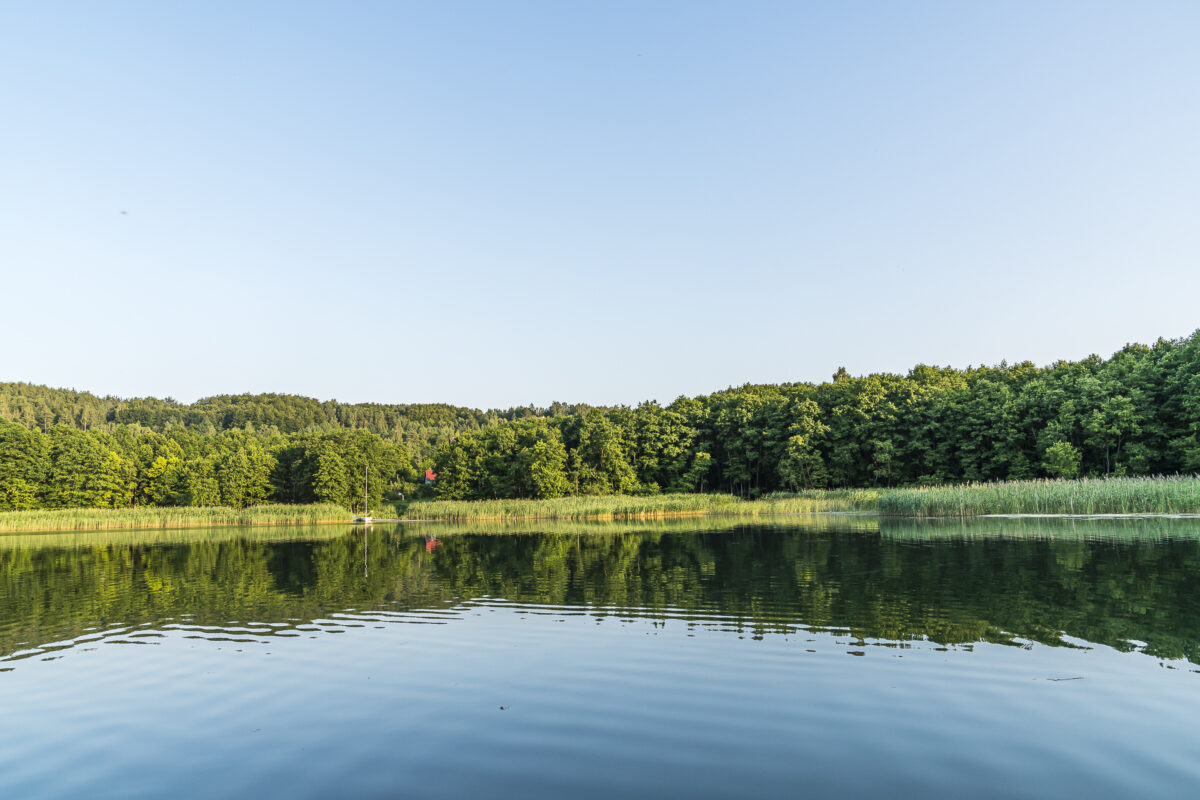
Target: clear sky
(500, 203)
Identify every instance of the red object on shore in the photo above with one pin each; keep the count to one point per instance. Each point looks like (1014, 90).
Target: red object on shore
(430, 475)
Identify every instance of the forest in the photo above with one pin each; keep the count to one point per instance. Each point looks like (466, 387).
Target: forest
(1136, 413)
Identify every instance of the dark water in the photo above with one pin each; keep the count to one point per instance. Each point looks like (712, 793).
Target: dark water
(994, 659)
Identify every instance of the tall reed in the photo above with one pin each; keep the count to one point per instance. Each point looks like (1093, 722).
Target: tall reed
(815, 501)
(714, 523)
(598, 507)
(1154, 495)
(69, 519)
(1057, 528)
(627, 507)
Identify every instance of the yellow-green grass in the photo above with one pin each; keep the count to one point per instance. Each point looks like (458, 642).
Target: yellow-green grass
(212, 534)
(815, 501)
(1151, 495)
(629, 507)
(598, 507)
(1155, 527)
(661, 525)
(72, 519)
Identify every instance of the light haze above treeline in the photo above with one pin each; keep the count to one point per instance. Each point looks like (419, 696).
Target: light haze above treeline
(615, 201)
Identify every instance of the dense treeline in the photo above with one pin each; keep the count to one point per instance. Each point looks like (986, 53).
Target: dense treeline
(1137, 413)
(61, 448)
(416, 426)
(132, 466)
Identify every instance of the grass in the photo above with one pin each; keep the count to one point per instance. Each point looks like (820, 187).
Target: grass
(816, 501)
(72, 519)
(1063, 529)
(641, 507)
(611, 507)
(1154, 495)
(715, 523)
(446, 528)
(1160, 495)
(213, 534)
(601, 507)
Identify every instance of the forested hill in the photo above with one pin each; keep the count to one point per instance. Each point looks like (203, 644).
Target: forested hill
(1136, 413)
(417, 426)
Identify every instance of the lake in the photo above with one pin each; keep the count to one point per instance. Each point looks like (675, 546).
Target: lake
(699, 658)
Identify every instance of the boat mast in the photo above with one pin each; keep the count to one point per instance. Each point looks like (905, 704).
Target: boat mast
(366, 471)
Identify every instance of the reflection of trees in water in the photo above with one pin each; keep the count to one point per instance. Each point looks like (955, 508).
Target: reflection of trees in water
(900, 585)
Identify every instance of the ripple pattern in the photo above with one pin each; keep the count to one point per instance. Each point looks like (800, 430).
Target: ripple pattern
(682, 664)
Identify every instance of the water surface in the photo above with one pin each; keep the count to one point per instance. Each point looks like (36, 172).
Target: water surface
(1001, 658)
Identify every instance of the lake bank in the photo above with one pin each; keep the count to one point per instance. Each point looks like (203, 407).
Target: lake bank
(1177, 494)
(74, 519)
(1069, 498)
(1089, 497)
(621, 507)
(600, 508)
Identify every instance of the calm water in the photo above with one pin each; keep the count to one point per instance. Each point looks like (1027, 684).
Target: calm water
(994, 659)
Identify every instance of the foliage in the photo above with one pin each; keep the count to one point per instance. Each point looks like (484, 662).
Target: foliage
(138, 468)
(1061, 460)
(417, 427)
(1136, 413)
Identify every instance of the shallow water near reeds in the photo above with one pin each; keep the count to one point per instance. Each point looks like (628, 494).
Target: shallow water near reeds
(708, 658)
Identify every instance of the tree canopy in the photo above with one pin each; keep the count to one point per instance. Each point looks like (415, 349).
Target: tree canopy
(1136, 413)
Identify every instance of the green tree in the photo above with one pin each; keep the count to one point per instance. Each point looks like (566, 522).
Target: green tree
(24, 463)
(200, 485)
(801, 466)
(694, 479)
(164, 481)
(79, 475)
(1061, 460)
(1109, 426)
(544, 467)
(599, 462)
(331, 479)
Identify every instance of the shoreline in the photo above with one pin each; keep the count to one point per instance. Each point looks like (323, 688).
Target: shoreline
(614, 518)
(1133, 515)
(167, 518)
(1088, 498)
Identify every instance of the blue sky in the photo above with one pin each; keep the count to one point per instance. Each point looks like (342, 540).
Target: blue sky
(501, 203)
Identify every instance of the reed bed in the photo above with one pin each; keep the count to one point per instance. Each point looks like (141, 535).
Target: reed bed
(1050, 528)
(627, 507)
(816, 501)
(714, 523)
(136, 537)
(599, 507)
(1152, 495)
(572, 527)
(73, 519)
